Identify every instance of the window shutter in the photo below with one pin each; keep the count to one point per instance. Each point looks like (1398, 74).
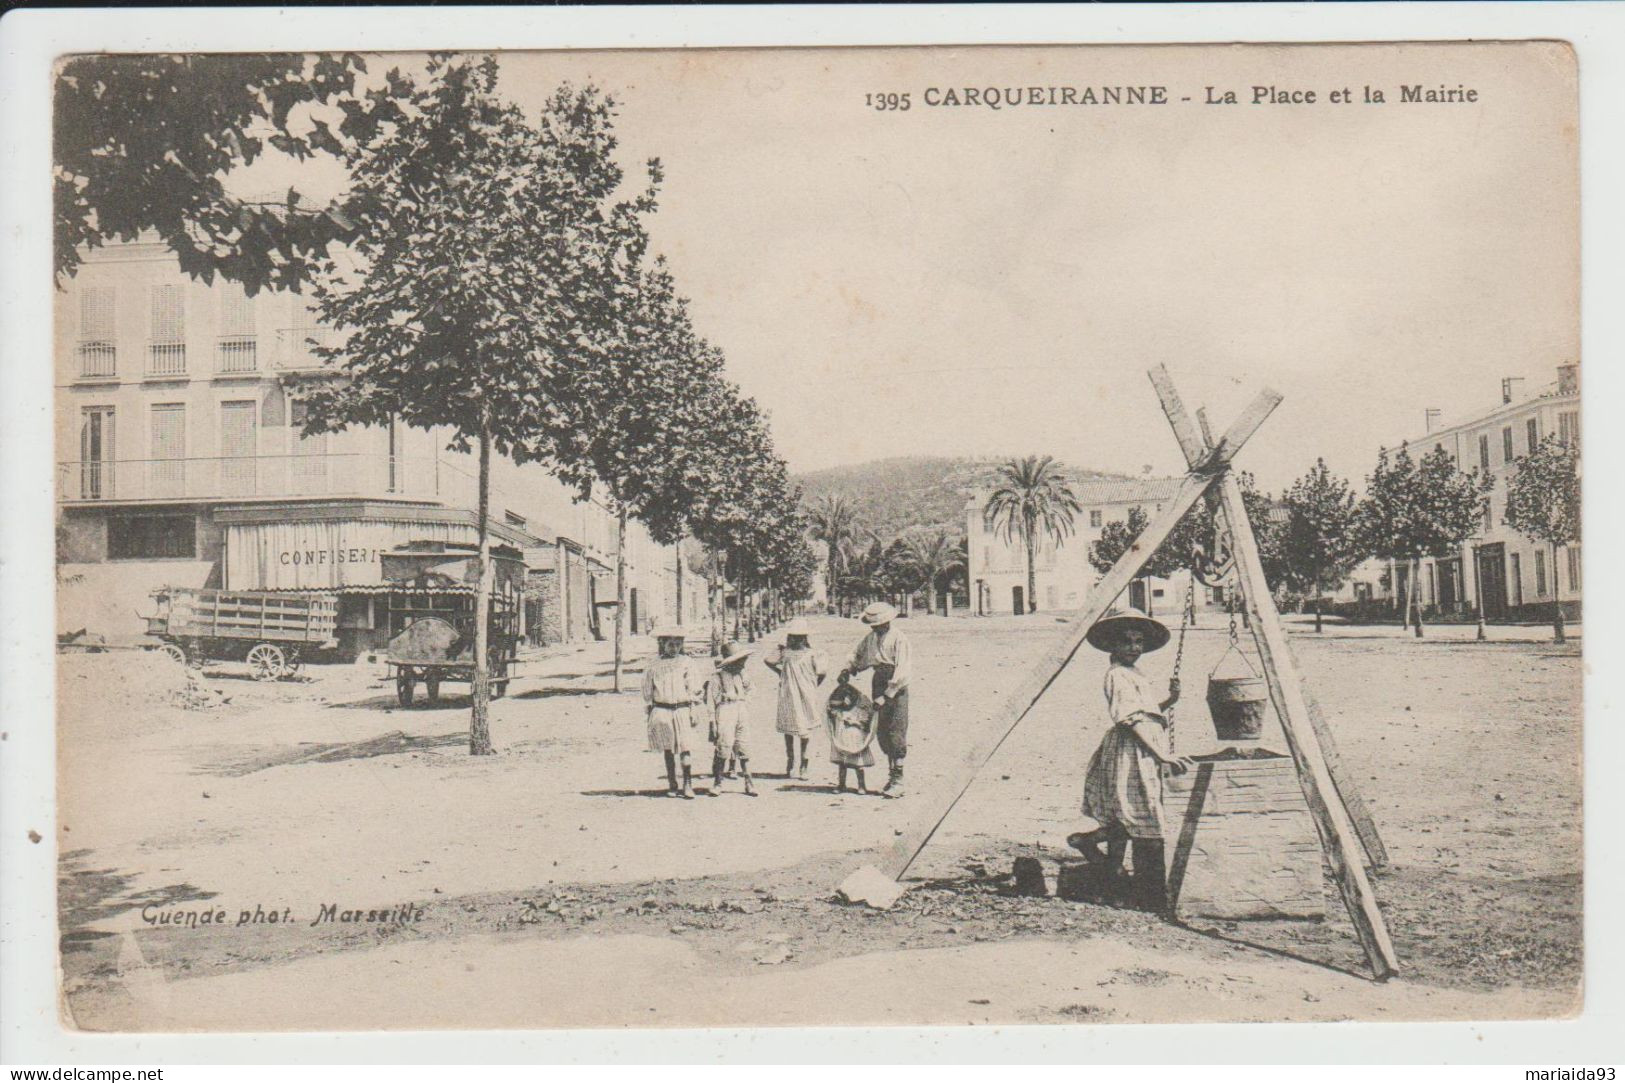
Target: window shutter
(96, 312)
(168, 314)
(236, 312)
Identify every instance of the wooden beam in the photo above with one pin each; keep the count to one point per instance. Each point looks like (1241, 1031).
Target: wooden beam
(1337, 835)
(942, 800)
(1364, 825)
(1195, 442)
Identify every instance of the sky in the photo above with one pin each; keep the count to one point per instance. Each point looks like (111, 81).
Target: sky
(965, 281)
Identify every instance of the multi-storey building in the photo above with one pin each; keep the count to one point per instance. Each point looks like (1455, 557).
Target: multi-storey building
(180, 462)
(1516, 576)
(1063, 574)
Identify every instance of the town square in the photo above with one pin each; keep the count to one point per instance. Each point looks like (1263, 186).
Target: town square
(532, 554)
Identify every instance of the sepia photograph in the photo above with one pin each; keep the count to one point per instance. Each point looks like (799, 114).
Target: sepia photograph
(767, 537)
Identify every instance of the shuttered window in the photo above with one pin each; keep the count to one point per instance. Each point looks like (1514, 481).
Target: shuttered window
(1506, 444)
(1484, 452)
(168, 470)
(1540, 573)
(166, 352)
(1574, 568)
(168, 314)
(1532, 427)
(96, 312)
(98, 356)
(236, 310)
(1568, 428)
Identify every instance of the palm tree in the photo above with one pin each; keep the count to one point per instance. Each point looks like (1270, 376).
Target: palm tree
(1033, 496)
(833, 524)
(931, 555)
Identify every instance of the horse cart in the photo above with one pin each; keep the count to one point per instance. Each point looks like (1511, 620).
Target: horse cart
(431, 617)
(273, 632)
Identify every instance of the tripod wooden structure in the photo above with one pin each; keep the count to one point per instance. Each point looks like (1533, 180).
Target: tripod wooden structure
(1341, 820)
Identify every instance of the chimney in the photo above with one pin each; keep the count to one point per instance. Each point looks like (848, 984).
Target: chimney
(1568, 379)
(1431, 414)
(1507, 389)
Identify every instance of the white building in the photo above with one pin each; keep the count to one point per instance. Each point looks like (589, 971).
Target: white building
(1515, 574)
(180, 463)
(1063, 574)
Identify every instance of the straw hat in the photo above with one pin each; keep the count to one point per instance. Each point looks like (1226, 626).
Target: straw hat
(1103, 636)
(798, 627)
(732, 652)
(669, 631)
(879, 613)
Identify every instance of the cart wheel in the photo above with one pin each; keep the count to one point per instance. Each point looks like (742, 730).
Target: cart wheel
(174, 651)
(403, 689)
(266, 661)
(431, 689)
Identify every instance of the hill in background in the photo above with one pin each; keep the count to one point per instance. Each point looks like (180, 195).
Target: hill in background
(893, 495)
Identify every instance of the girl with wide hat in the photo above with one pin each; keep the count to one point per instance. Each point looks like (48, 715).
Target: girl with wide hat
(1122, 789)
(801, 670)
(729, 690)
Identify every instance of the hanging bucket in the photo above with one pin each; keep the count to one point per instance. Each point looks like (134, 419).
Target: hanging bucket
(1237, 705)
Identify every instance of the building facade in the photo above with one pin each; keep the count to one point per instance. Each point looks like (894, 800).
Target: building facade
(180, 463)
(1064, 576)
(1515, 576)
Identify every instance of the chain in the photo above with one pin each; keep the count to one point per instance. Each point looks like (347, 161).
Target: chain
(1230, 603)
(1186, 619)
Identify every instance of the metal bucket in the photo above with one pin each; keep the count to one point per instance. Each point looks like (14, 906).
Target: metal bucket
(1237, 706)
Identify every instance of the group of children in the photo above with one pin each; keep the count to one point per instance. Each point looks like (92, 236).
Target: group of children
(680, 695)
(1122, 790)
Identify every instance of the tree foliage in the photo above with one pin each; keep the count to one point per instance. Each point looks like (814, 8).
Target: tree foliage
(1320, 540)
(142, 141)
(481, 260)
(930, 556)
(1414, 509)
(1543, 504)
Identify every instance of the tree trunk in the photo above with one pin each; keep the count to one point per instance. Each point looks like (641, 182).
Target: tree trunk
(679, 595)
(1317, 611)
(1478, 592)
(479, 724)
(1032, 579)
(1557, 603)
(718, 606)
(1416, 595)
(620, 589)
(930, 595)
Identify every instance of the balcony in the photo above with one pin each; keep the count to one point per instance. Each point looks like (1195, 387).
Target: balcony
(98, 360)
(260, 477)
(166, 360)
(294, 348)
(236, 355)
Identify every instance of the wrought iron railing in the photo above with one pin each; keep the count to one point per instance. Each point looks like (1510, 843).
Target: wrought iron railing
(237, 354)
(97, 359)
(295, 347)
(166, 359)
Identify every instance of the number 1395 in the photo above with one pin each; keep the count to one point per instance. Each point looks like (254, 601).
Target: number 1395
(887, 102)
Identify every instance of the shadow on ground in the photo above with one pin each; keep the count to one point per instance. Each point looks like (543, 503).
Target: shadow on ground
(389, 744)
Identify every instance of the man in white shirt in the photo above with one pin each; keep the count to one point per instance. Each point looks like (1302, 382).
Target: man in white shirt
(887, 652)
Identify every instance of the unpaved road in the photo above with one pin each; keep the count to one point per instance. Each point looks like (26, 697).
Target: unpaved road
(557, 887)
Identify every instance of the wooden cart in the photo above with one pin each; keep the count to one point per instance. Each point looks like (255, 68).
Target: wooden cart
(430, 610)
(273, 632)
